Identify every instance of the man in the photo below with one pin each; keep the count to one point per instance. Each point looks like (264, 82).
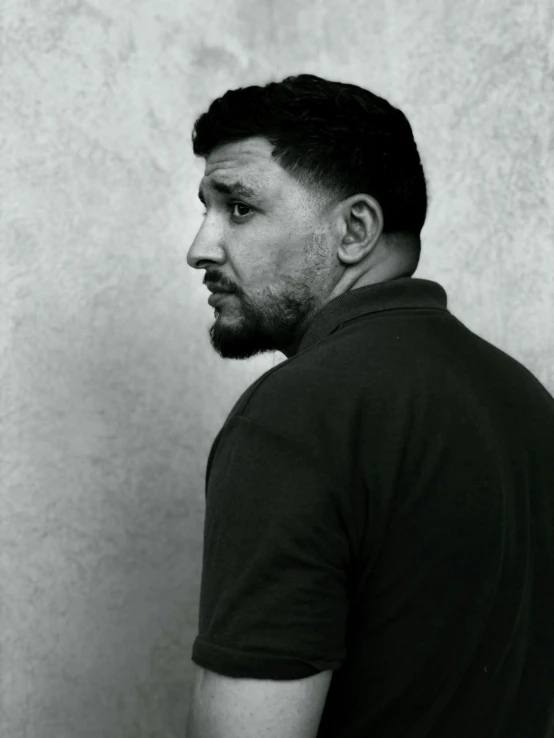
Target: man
(379, 533)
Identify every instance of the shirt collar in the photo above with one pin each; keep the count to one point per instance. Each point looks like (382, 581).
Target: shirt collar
(405, 293)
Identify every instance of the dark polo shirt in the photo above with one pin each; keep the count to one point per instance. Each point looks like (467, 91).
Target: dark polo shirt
(382, 504)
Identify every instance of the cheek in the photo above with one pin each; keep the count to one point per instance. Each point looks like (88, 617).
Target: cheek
(288, 253)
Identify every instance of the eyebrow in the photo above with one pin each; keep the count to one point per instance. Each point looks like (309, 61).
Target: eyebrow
(239, 189)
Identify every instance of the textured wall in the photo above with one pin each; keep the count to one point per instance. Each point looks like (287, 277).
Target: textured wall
(110, 393)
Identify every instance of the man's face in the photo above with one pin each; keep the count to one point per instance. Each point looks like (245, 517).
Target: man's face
(271, 251)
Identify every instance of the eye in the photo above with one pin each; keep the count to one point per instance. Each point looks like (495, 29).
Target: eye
(234, 205)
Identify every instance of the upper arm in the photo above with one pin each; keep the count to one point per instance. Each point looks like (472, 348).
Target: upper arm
(227, 707)
(274, 593)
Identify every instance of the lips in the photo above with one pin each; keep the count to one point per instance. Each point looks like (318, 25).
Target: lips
(216, 297)
(214, 287)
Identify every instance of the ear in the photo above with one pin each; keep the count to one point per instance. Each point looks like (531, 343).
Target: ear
(362, 225)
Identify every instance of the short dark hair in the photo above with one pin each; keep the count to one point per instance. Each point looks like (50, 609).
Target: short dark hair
(335, 138)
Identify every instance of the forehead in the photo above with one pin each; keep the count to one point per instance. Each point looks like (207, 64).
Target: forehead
(253, 155)
(249, 163)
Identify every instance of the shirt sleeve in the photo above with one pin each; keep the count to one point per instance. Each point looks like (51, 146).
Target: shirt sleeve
(273, 595)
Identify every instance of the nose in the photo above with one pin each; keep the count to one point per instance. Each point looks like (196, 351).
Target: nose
(205, 248)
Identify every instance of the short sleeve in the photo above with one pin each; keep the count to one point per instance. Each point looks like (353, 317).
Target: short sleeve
(273, 596)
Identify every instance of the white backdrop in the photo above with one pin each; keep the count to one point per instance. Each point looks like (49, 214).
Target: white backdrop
(110, 394)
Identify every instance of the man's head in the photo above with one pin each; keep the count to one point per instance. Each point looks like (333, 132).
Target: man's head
(337, 202)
